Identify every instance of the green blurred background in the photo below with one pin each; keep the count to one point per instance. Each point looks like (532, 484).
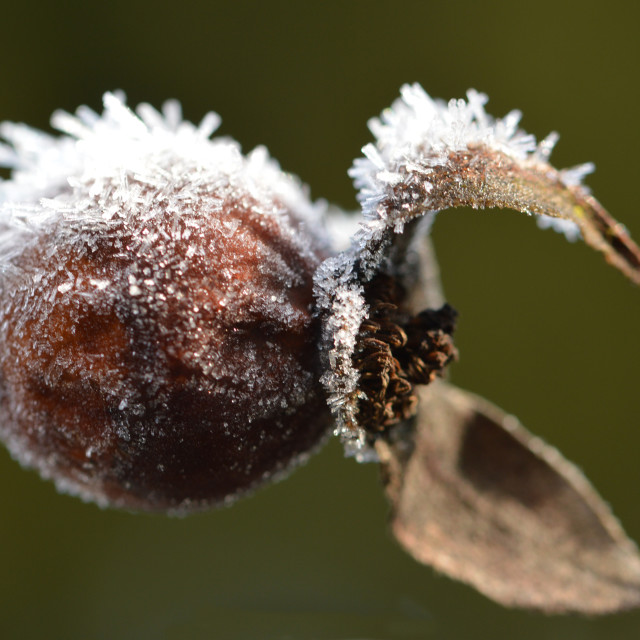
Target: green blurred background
(546, 331)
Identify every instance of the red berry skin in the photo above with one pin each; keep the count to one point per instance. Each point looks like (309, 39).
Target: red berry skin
(163, 362)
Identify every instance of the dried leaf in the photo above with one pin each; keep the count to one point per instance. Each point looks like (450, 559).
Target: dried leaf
(482, 500)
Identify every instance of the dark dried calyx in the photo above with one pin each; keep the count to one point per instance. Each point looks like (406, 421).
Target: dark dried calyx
(395, 351)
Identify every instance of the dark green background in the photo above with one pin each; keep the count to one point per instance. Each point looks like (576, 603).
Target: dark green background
(547, 330)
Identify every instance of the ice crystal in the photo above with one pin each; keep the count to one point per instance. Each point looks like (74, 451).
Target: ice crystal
(568, 228)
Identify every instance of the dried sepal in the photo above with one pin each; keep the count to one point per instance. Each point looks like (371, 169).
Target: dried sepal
(479, 498)
(484, 177)
(428, 156)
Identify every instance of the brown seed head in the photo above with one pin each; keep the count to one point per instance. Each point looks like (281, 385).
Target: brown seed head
(395, 352)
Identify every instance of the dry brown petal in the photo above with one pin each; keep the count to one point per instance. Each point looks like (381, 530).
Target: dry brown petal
(482, 500)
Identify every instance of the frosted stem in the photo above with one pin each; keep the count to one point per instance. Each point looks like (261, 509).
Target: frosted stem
(482, 177)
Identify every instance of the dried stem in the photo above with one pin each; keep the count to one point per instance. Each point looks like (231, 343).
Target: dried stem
(482, 177)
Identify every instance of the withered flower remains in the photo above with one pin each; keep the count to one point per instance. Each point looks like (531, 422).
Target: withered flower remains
(180, 324)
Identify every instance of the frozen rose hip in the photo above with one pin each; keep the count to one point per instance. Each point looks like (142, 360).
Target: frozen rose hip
(158, 346)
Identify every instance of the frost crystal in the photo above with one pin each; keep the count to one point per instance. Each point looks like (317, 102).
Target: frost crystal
(568, 228)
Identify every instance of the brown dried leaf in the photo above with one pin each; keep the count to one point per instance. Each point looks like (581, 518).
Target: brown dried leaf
(484, 501)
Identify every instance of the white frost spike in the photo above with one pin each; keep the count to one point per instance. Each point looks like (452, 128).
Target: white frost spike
(575, 175)
(422, 130)
(545, 146)
(568, 228)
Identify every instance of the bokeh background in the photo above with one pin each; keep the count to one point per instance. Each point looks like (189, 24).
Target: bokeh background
(546, 330)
